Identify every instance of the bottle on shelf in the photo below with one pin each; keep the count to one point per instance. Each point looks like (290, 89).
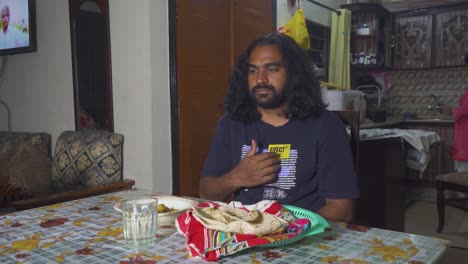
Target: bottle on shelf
(367, 59)
(361, 58)
(353, 58)
(373, 59)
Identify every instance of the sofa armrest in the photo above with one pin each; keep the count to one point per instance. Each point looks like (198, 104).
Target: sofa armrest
(72, 195)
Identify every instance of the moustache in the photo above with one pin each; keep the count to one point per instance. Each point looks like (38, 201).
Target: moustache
(263, 86)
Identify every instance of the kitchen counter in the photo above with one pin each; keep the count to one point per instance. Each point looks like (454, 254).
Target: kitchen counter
(392, 122)
(383, 161)
(389, 123)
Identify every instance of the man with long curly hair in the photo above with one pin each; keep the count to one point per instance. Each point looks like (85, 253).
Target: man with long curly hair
(277, 141)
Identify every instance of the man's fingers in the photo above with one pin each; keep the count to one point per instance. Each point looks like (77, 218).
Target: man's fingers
(269, 177)
(266, 163)
(253, 149)
(272, 169)
(266, 156)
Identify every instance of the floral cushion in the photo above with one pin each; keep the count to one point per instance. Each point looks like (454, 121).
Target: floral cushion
(41, 141)
(27, 168)
(24, 165)
(86, 158)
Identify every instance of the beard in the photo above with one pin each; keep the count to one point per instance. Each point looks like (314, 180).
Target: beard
(267, 101)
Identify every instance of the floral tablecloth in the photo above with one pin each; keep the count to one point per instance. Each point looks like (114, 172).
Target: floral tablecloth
(90, 231)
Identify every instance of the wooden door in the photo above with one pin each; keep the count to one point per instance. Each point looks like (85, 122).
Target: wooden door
(203, 65)
(209, 34)
(251, 19)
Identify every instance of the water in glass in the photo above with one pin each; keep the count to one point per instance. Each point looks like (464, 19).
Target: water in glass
(140, 220)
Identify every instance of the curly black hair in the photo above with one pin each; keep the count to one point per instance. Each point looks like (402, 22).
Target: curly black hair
(302, 89)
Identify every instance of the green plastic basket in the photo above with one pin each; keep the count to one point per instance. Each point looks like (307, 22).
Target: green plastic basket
(317, 226)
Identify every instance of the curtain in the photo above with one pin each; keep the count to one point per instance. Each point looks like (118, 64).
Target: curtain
(338, 70)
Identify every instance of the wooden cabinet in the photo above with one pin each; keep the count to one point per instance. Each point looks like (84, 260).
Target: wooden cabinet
(412, 42)
(429, 38)
(376, 43)
(452, 40)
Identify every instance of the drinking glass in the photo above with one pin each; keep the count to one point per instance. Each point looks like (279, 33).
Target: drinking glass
(140, 220)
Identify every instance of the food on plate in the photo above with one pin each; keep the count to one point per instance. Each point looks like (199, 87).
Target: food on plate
(239, 221)
(162, 208)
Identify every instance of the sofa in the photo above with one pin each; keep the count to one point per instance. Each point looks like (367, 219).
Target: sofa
(25, 166)
(85, 163)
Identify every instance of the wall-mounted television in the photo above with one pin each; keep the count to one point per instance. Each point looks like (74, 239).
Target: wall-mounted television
(17, 26)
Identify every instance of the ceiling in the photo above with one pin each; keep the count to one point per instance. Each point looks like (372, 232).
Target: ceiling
(405, 5)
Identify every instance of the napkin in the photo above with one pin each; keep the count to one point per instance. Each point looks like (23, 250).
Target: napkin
(215, 229)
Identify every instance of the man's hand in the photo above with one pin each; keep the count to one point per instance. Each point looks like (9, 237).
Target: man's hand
(255, 169)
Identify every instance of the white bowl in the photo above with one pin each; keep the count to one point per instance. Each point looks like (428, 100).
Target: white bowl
(167, 220)
(181, 204)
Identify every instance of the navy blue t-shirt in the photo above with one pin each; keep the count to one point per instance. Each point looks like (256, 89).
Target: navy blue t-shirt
(318, 163)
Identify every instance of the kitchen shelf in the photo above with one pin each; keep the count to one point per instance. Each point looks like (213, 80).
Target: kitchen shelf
(357, 37)
(378, 21)
(371, 67)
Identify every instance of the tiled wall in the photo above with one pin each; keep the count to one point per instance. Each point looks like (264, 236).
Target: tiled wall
(411, 90)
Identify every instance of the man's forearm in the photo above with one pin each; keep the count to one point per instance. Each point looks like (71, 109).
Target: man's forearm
(340, 210)
(216, 188)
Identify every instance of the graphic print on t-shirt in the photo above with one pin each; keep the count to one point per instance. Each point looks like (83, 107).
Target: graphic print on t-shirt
(286, 178)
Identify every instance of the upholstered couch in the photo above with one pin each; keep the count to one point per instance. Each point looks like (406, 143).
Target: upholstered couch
(25, 166)
(85, 163)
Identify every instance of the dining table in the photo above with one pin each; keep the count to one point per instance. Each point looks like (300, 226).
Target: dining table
(90, 230)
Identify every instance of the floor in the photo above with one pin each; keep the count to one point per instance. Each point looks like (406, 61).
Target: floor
(421, 219)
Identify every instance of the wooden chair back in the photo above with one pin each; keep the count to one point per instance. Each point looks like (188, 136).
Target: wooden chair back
(352, 119)
(452, 182)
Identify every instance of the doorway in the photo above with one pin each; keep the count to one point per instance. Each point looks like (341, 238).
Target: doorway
(92, 90)
(205, 39)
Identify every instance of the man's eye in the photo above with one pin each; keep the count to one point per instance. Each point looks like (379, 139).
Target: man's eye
(273, 69)
(252, 70)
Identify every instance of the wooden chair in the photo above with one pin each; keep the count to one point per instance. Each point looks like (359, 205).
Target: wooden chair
(456, 181)
(352, 120)
(86, 163)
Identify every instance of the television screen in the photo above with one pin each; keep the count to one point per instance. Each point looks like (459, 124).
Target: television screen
(17, 26)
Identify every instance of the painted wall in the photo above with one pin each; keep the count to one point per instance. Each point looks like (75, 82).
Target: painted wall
(312, 11)
(38, 86)
(39, 90)
(160, 97)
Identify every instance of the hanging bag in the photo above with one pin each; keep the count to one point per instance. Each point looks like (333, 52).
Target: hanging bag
(296, 28)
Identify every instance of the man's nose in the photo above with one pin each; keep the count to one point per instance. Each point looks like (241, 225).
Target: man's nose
(262, 77)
